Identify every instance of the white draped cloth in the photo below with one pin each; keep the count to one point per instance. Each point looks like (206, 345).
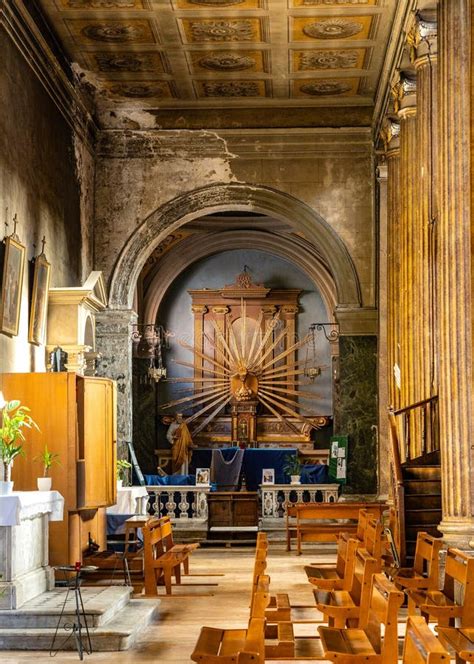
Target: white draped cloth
(21, 505)
(127, 500)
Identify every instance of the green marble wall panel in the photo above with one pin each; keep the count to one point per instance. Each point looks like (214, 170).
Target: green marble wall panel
(355, 410)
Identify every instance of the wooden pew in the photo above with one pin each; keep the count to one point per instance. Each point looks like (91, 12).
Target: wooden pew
(185, 548)
(338, 576)
(237, 646)
(461, 641)
(425, 571)
(159, 563)
(443, 606)
(314, 522)
(350, 607)
(366, 645)
(421, 646)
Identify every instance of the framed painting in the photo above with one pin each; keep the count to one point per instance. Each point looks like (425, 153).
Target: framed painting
(39, 301)
(12, 285)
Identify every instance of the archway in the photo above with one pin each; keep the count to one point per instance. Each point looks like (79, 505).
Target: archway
(238, 197)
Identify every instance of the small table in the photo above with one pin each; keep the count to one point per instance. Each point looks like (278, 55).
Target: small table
(130, 500)
(24, 569)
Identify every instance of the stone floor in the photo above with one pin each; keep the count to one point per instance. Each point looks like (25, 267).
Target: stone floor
(171, 638)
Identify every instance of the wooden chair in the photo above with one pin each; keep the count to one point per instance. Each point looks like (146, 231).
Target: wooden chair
(365, 645)
(279, 609)
(338, 576)
(185, 549)
(362, 521)
(237, 646)
(421, 646)
(350, 607)
(461, 641)
(158, 562)
(424, 575)
(443, 606)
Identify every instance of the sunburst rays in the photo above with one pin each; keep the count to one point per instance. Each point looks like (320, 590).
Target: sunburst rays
(261, 366)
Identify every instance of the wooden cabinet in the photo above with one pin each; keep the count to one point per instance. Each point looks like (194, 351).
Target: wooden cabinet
(237, 509)
(77, 419)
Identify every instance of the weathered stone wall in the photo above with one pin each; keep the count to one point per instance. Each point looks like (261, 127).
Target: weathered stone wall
(329, 170)
(46, 177)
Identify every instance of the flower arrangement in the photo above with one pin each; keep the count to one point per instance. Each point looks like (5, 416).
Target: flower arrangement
(15, 418)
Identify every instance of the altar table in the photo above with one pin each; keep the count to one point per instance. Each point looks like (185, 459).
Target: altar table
(130, 500)
(24, 569)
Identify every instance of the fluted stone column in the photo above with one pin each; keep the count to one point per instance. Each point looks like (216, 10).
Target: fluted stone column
(113, 342)
(455, 287)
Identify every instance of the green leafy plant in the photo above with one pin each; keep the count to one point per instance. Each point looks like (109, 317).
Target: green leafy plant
(47, 458)
(15, 418)
(292, 465)
(122, 468)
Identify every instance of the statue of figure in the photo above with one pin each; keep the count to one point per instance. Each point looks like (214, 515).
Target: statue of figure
(179, 437)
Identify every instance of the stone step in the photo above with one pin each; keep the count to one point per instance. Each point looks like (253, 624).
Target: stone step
(101, 604)
(118, 634)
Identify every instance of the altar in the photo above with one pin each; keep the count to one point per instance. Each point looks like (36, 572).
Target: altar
(24, 527)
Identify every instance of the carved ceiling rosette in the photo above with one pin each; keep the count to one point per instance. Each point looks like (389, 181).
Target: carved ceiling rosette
(223, 30)
(325, 88)
(333, 28)
(231, 89)
(216, 3)
(227, 62)
(101, 4)
(115, 62)
(137, 90)
(328, 59)
(114, 32)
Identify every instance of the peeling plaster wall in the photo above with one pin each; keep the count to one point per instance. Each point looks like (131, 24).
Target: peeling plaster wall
(329, 170)
(46, 177)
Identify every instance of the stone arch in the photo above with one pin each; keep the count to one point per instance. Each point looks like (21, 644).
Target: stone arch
(192, 249)
(238, 197)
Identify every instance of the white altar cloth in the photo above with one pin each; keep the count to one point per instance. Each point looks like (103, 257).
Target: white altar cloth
(24, 561)
(21, 505)
(127, 500)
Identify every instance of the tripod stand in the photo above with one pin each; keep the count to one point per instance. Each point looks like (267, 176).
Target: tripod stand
(79, 620)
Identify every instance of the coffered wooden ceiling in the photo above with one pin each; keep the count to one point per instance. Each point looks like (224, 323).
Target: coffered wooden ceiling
(185, 54)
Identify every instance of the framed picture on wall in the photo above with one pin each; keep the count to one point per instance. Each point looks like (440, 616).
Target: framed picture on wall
(12, 285)
(39, 301)
(203, 476)
(268, 476)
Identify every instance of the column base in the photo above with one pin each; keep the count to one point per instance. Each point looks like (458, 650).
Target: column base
(458, 533)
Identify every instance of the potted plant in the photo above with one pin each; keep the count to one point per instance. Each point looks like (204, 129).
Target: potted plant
(14, 419)
(292, 468)
(122, 469)
(47, 458)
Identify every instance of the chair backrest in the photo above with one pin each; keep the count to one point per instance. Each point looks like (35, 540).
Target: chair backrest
(261, 597)
(427, 558)
(373, 539)
(364, 568)
(459, 569)
(152, 540)
(346, 548)
(385, 601)
(254, 648)
(421, 646)
(166, 532)
(362, 521)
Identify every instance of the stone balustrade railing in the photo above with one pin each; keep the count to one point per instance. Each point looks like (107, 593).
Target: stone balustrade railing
(276, 496)
(179, 501)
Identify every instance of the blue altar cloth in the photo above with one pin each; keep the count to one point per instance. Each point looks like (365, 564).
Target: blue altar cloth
(174, 480)
(314, 474)
(255, 460)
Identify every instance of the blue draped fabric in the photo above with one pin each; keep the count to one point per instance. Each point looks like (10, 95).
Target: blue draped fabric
(314, 474)
(176, 480)
(255, 460)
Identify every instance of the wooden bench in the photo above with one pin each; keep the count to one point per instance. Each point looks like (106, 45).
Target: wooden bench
(338, 576)
(237, 646)
(185, 548)
(159, 563)
(366, 645)
(315, 522)
(421, 646)
(343, 608)
(424, 575)
(461, 641)
(443, 606)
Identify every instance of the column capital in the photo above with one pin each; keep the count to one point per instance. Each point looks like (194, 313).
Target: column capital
(422, 38)
(289, 309)
(389, 135)
(221, 311)
(199, 309)
(404, 94)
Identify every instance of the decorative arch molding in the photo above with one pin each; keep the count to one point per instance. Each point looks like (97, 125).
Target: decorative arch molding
(194, 248)
(238, 197)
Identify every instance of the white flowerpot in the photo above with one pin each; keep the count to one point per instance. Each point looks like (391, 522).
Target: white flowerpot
(295, 479)
(44, 483)
(119, 484)
(5, 488)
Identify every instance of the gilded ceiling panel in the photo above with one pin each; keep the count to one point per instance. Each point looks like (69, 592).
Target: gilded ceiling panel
(325, 28)
(327, 59)
(141, 90)
(332, 3)
(228, 61)
(232, 89)
(222, 30)
(126, 62)
(325, 87)
(219, 4)
(107, 31)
